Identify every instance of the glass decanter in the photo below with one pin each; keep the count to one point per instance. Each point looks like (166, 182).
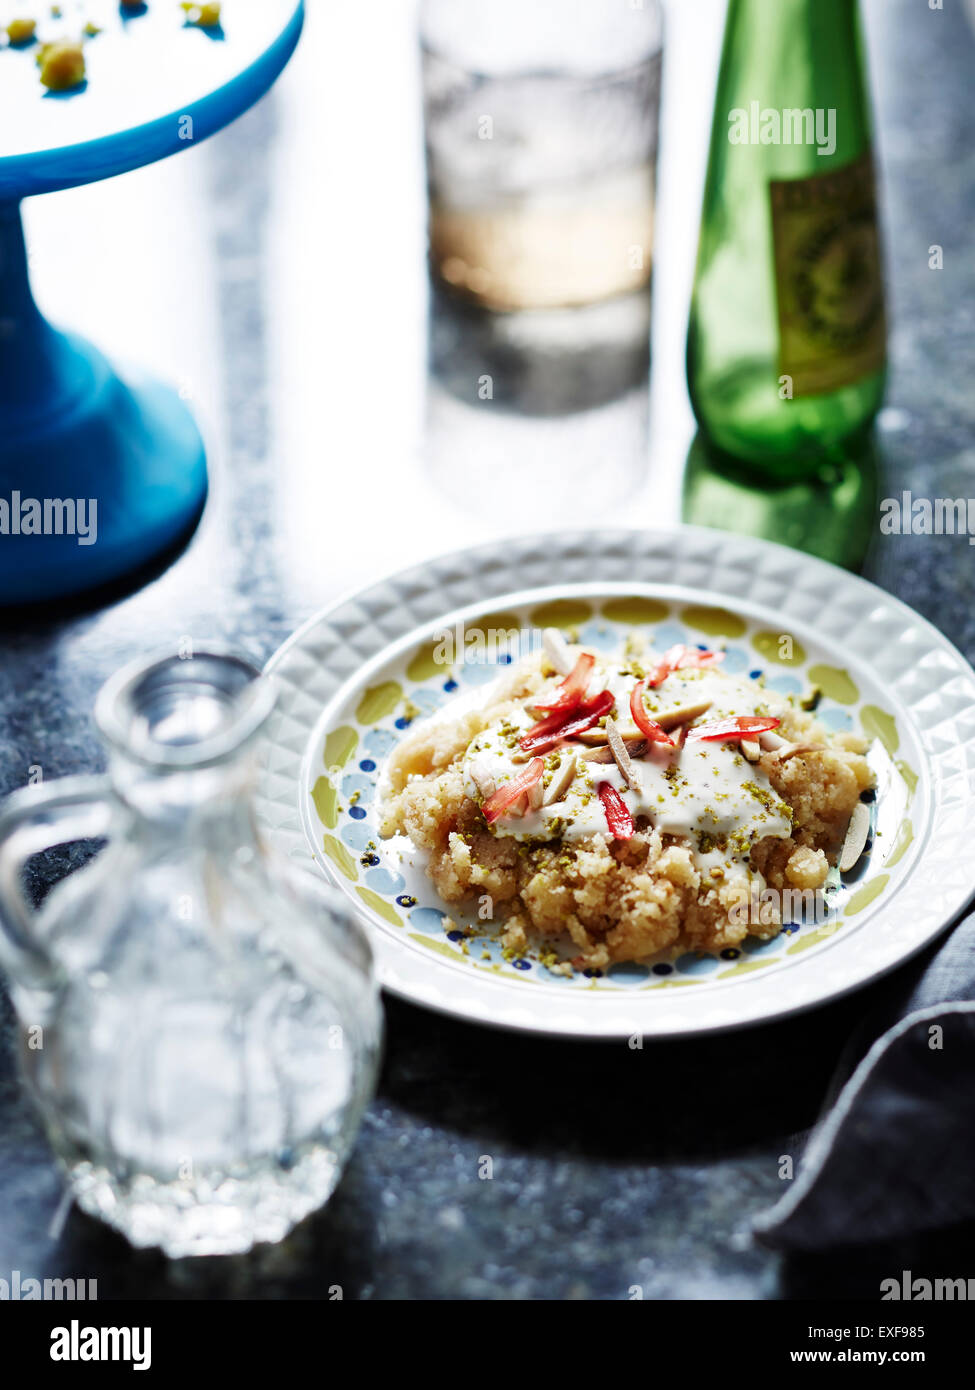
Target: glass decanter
(200, 1022)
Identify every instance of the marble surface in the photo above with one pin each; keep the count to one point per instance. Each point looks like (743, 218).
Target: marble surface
(612, 1170)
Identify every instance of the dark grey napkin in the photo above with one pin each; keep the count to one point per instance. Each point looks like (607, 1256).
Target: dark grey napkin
(894, 1152)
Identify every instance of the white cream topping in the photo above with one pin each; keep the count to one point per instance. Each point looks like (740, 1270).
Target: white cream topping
(707, 791)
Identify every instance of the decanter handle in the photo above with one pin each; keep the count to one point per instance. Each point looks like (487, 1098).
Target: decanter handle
(33, 820)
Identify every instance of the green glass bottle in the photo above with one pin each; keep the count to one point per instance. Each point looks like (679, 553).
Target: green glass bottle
(786, 349)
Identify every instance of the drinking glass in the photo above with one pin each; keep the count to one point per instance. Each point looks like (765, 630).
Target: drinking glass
(541, 140)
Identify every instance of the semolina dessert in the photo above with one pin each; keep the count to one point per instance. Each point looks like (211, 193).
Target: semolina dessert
(615, 809)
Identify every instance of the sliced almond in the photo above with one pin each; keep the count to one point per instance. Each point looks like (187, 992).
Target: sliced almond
(791, 749)
(680, 714)
(594, 737)
(535, 793)
(602, 754)
(856, 837)
(622, 757)
(751, 748)
(636, 747)
(484, 783)
(556, 648)
(772, 741)
(561, 779)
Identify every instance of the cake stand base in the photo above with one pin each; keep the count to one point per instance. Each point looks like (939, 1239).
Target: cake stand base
(98, 474)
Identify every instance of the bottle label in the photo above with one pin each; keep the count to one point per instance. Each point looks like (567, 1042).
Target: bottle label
(828, 278)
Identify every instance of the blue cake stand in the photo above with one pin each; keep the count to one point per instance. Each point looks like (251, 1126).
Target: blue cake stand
(72, 429)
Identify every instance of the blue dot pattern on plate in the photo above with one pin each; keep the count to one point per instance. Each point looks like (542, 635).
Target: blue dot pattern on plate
(478, 672)
(384, 881)
(668, 635)
(356, 835)
(358, 782)
(379, 741)
(755, 946)
(428, 920)
(735, 661)
(600, 636)
(833, 718)
(784, 685)
(628, 973)
(693, 964)
(427, 700)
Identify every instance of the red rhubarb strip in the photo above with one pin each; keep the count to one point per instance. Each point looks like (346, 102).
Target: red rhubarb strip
(505, 797)
(618, 818)
(679, 658)
(574, 686)
(739, 726)
(548, 732)
(642, 720)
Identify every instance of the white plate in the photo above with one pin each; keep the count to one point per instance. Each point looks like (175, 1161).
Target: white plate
(345, 675)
